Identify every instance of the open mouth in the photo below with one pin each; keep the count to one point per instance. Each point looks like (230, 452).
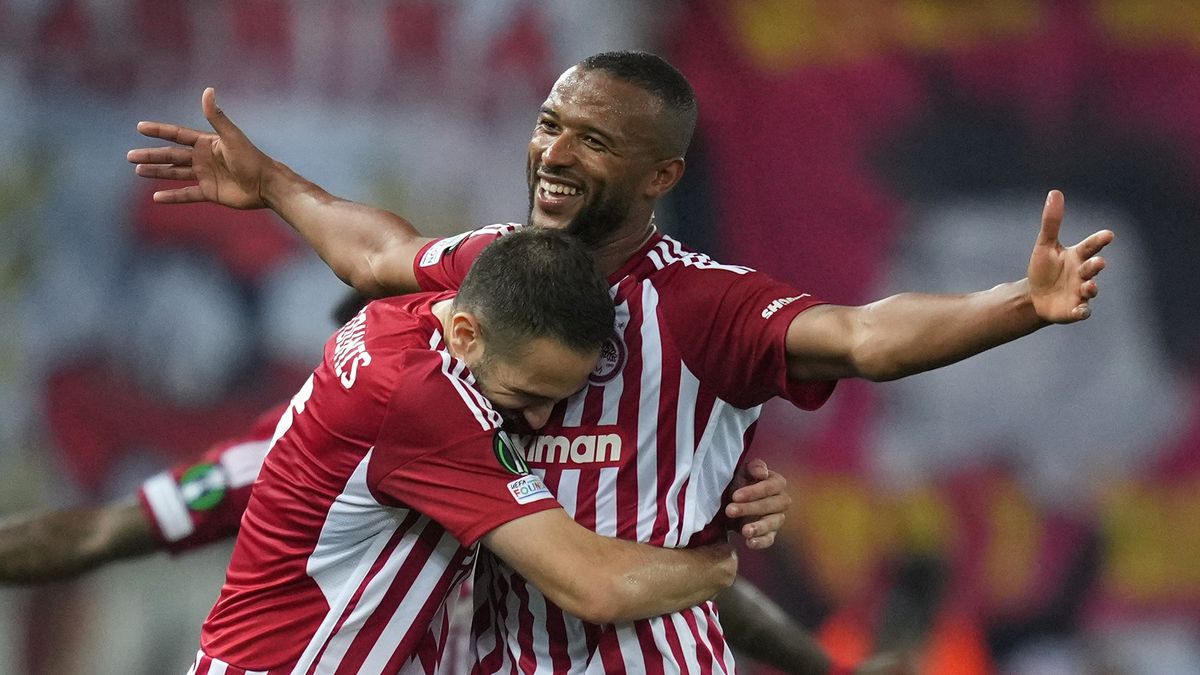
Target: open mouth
(554, 196)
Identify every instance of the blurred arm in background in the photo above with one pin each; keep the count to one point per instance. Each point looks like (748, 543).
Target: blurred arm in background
(63, 544)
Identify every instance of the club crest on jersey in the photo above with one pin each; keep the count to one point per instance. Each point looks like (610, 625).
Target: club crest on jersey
(203, 486)
(508, 455)
(613, 355)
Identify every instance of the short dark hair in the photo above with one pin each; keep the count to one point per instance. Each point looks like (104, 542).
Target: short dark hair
(652, 73)
(537, 282)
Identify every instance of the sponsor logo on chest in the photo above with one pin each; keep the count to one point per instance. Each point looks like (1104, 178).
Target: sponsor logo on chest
(577, 449)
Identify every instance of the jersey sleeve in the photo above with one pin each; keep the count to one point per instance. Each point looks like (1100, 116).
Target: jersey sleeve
(202, 501)
(730, 326)
(442, 264)
(441, 452)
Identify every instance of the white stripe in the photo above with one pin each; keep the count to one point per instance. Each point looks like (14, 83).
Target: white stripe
(573, 410)
(576, 643)
(710, 608)
(217, 667)
(715, 463)
(654, 257)
(616, 386)
(483, 416)
(196, 663)
(687, 642)
(631, 648)
(345, 552)
(685, 447)
(541, 636)
(606, 502)
(167, 506)
(658, 630)
(377, 586)
(422, 588)
(568, 491)
(243, 461)
(512, 625)
(647, 441)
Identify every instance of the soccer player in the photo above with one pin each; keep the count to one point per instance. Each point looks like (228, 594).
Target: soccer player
(390, 464)
(645, 452)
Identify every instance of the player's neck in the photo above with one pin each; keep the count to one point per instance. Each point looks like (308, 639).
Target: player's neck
(612, 254)
(443, 311)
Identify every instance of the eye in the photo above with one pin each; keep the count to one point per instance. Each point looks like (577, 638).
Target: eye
(547, 125)
(593, 142)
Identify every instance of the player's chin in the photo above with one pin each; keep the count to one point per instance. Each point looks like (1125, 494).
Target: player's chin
(553, 216)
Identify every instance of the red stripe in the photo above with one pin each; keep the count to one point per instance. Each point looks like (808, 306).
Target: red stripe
(650, 653)
(203, 664)
(556, 636)
(716, 639)
(610, 651)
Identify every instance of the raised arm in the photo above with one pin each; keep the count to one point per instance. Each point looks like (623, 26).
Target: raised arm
(604, 580)
(913, 332)
(59, 545)
(368, 248)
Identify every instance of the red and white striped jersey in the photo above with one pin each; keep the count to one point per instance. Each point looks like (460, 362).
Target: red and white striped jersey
(646, 451)
(202, 501)
(383, 463)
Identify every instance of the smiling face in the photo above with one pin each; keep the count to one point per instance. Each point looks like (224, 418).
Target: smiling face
(527, 386)
(595, 160)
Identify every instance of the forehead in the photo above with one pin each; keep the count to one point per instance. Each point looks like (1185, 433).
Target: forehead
(595, 98)
(547, 368)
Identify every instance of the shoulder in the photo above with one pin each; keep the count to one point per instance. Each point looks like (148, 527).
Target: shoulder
(470, 243)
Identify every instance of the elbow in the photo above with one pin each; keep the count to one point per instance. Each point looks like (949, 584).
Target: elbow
(596, 603)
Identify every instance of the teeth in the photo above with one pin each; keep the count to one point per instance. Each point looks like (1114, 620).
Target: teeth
(558, 189)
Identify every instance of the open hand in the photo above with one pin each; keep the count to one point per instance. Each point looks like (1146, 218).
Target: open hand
(227, 168)
(1062, 280)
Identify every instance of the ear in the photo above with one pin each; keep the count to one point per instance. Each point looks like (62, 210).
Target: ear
(465, 338)
(666, 174)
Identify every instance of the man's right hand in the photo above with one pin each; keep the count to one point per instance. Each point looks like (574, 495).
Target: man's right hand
(226, 166)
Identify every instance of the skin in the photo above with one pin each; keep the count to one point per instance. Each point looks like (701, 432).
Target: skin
(372, 249)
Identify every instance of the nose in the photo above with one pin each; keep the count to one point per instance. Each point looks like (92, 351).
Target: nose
(558, 152)
(537, 416)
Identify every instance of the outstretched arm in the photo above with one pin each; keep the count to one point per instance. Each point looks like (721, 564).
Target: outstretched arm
(63, 544)
(368, 248)
(912, 332)
(604, 580)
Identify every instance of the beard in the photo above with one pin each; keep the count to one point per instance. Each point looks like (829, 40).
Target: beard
(598, 217)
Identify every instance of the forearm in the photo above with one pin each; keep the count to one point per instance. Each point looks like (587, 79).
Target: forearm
(64, 544)
(760, 629)
(906, 333)
(606, 580)
(648, 581)
(911, 332)
(356, 241)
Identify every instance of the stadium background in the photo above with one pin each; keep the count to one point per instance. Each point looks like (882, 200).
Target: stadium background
(1030, 511)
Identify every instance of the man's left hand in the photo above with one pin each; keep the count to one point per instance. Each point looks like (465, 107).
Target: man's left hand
(759, 502)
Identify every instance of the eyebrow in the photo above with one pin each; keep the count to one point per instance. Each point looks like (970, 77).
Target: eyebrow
(604, 136)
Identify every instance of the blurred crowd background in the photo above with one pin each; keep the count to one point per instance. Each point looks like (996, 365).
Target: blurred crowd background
(1032, 511)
